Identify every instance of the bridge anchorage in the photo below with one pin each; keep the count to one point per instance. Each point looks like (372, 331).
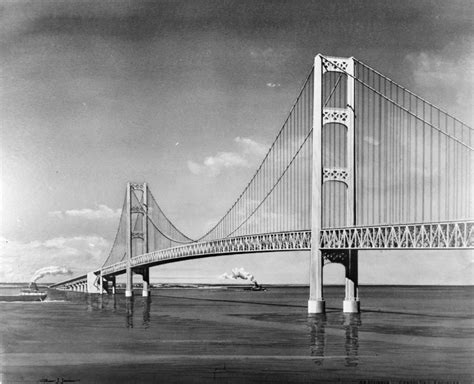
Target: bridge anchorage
(360, 163)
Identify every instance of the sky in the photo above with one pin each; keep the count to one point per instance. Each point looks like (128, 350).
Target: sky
(187, 96)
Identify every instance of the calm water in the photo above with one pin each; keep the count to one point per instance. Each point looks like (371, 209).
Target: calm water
(404, 334)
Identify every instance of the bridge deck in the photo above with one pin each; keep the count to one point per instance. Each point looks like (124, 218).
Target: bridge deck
(445, 235)
(442, 235)
(74, 280)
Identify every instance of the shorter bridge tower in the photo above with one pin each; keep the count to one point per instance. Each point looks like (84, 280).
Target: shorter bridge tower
(324, 118)
(136, 234)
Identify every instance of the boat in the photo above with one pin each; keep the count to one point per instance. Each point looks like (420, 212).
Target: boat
(32, 293)
(255, 287)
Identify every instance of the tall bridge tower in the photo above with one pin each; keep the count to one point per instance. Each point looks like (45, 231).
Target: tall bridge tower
(324, 171)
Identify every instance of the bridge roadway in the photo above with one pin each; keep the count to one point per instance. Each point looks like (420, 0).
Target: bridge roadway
(440, 235)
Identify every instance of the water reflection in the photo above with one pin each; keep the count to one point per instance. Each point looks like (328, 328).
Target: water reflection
(318, 337)
(317, 325)
(146, 311)
(117, 304)
(94, 302)
(130, 306)
(129, 311)
(351, 325)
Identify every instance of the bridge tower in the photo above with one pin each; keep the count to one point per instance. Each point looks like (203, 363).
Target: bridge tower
(137, 234)
(321, 174)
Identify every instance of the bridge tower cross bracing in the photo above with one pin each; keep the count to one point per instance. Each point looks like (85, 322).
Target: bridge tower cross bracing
(316, 303)
(133, 235)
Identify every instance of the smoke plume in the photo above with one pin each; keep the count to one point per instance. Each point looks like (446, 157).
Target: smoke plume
(50, 271)
(238, 273)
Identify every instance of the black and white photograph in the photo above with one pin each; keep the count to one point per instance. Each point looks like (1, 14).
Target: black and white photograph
(236, 191)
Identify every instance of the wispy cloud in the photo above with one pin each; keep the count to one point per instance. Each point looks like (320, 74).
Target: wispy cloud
(437, 77)
(251, 147)
(101, 212)
(213, 165)
(270, 58)
(248, 152)
(78, 253)
(273, 85)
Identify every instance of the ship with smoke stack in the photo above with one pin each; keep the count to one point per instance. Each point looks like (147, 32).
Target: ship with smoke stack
(255, 287)
(32, 293)
(241, 273)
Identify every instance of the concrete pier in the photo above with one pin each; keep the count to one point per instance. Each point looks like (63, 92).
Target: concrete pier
(146, 282)
(129, 282)
(114, 285)
(93, 284)
(351, 302)
(316, 303)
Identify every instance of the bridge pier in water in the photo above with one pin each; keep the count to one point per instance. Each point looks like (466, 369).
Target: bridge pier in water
(109, 284)
(145, 272)
(351, 302)
(113, 289)
(129, 282)
(316, 303)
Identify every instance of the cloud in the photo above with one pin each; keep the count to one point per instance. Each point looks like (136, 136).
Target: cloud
(273, 85)
(213, 165)
(270, 58)
(248, 153)
(238, 273)
(50, 271)
(251, 147)
(446, 78)
(56, 214)
(78, 253)
(101, 212)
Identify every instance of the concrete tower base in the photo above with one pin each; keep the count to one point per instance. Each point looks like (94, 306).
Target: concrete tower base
(93, 284)
(351, 306)
(316, 306)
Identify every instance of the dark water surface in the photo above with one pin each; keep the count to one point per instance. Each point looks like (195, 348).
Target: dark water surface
(403, 335)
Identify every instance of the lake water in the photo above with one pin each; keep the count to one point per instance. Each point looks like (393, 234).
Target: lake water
(403, 335)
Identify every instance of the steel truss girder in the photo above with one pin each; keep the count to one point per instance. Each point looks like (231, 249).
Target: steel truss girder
(270, 242)
(445, 235)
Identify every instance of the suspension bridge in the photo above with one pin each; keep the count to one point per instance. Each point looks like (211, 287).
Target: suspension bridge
(360, 163)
